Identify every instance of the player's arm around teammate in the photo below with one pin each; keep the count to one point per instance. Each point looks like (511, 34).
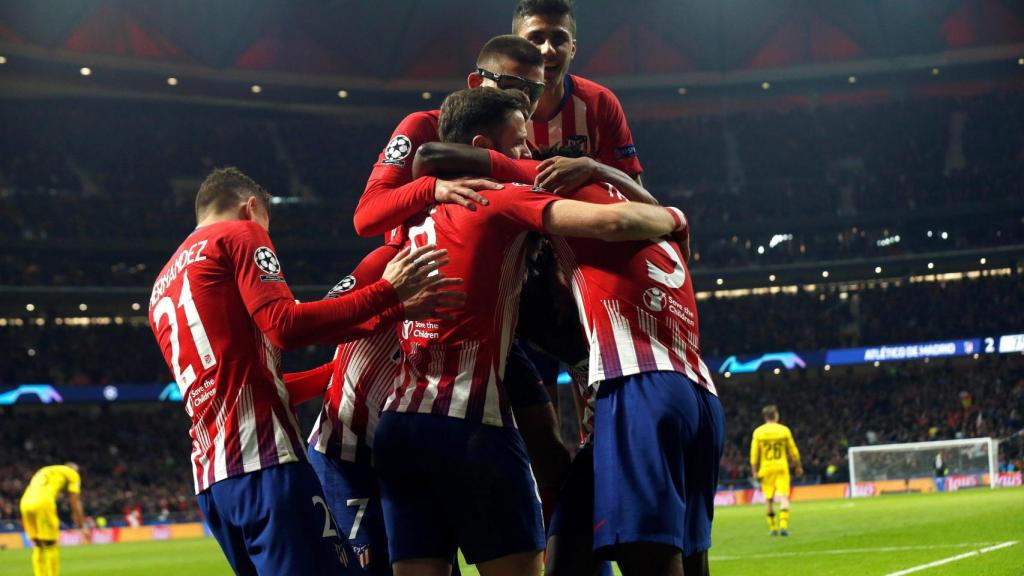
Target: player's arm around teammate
(393, 194)
(434, 158)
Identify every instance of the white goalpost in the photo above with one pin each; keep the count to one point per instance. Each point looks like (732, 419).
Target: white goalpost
(967, 457)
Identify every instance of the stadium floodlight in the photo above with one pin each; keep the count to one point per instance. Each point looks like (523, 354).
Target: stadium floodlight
(968, 460)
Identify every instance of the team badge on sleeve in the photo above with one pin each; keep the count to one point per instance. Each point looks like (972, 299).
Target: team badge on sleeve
(626, 151)
(267, 262)
(397, 150)
(347, 283)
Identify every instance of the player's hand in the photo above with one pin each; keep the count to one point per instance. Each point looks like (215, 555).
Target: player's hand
(435, 303)
(411, 271)
(463, 191)
(682, 238)
(86, 535)
(799, 471)
(563, 175)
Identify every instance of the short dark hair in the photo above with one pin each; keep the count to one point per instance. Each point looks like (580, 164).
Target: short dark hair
(770, 412)
(526, 8)
(512, 47)
(224, 188)
(466, 113)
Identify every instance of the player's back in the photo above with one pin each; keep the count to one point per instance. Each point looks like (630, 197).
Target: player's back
(227, 370)
(636, 302)
(771, 440)
(363, 377)
(454, 366)
(49, 481)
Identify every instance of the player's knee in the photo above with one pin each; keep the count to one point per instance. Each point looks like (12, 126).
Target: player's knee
(570, 556)
(520, 564)
(696, 564)
(422, 567)
(549, 457)
(649, 559)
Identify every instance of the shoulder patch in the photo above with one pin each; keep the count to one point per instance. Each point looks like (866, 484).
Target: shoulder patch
(268, 263)
(627, 151)
(397, 150)
(347, 284)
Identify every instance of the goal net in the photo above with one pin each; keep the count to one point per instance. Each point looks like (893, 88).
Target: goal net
(973, 457)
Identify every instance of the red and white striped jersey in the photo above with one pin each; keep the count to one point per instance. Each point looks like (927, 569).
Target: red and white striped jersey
(590, 119)
(228, 371)
(363, 377)
(635, 301)
(454, 367)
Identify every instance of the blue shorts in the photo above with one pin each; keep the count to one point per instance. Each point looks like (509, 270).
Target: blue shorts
(523, 382)
(276, 521)
(658, 440)
(573, 519)
(354, 499)
(449, 484)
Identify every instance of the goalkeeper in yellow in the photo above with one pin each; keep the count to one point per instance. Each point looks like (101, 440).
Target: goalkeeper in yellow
(39, 513)
(771, 450)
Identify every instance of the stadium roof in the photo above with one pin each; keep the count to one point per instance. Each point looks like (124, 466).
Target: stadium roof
(399, 43)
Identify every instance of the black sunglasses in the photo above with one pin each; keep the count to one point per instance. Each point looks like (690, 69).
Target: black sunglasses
(532, 89)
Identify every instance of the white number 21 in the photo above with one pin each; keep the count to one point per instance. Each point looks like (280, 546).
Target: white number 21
(165, 307)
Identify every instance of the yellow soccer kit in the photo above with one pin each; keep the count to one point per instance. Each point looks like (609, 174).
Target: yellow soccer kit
(770, 450)
(39, 503)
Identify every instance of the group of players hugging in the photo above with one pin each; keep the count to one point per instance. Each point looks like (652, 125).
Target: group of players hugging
(437, 432)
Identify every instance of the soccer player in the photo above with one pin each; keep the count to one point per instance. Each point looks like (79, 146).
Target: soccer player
(393, 195)
(453, 469)
(575, 116)
(221, 312)
(39, 513)
(771, 449)
(358, 381)
(658, 424)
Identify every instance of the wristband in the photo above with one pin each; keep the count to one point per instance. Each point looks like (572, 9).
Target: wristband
(678, 216)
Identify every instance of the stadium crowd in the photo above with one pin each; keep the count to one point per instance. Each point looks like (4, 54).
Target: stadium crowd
(805, 321)
(895, 403)
(756, 178)
(133, 459)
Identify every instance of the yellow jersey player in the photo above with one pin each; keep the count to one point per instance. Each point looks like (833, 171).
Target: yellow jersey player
(771, 450)
(39, 513)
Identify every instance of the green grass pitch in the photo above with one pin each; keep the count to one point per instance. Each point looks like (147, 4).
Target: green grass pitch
(865, 537)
